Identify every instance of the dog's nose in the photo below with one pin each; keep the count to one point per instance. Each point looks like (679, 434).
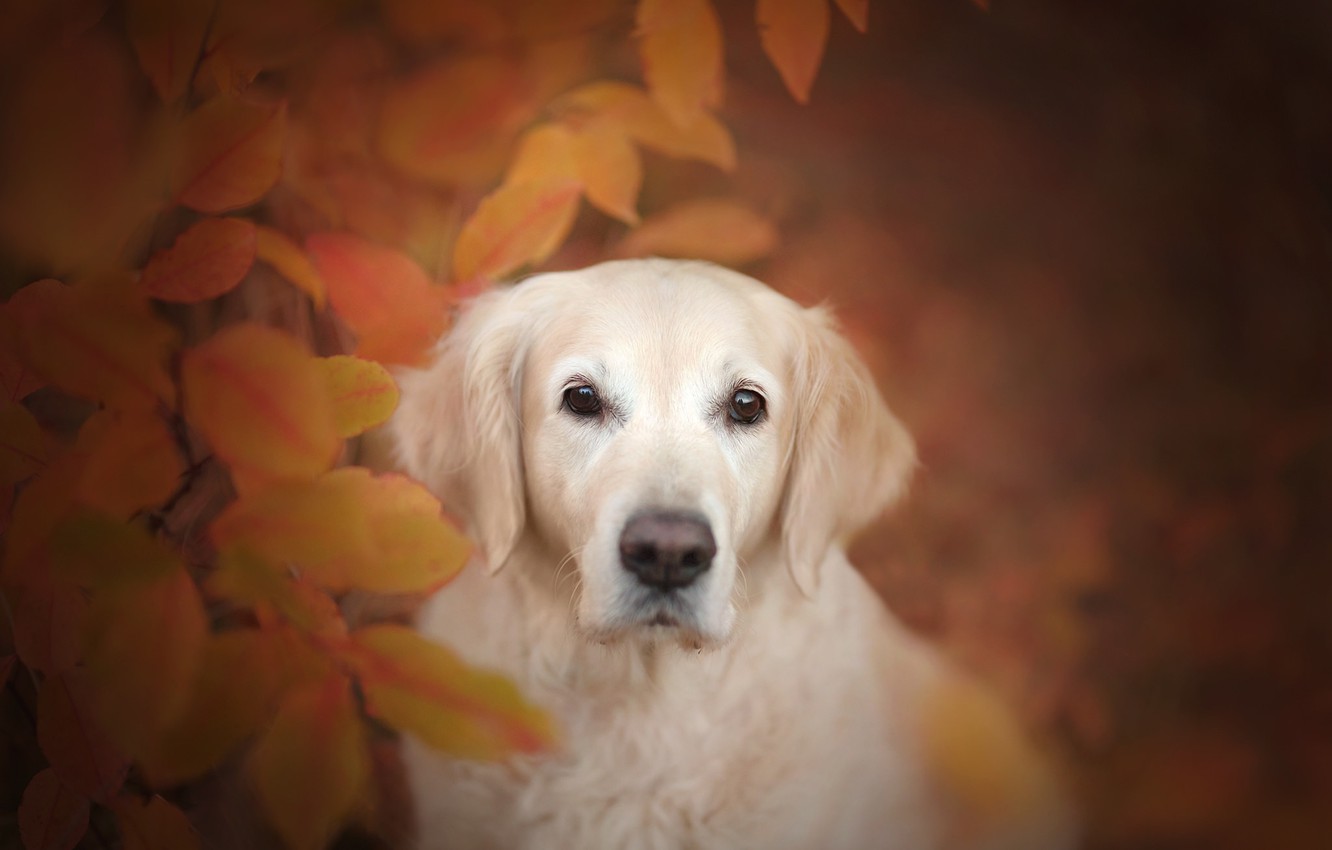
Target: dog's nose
(666, 549)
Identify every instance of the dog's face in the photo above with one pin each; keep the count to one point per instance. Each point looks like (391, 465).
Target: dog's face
(644, 427)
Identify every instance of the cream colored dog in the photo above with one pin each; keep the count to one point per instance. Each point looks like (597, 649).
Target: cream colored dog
(660, 462)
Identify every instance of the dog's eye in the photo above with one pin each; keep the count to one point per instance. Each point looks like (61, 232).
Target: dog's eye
(582, 400)
(746, 406)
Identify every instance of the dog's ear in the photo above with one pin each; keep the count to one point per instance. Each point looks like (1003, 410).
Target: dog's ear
(457, 427)
(850, 457)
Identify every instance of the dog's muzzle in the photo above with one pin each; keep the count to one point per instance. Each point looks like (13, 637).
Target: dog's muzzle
(666, 550)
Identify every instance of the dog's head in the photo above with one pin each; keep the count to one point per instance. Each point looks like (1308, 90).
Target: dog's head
(654, 426)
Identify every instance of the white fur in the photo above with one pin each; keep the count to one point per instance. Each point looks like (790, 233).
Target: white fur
(782, 709)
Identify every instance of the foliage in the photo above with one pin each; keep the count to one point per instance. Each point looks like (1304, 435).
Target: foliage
(182, 530)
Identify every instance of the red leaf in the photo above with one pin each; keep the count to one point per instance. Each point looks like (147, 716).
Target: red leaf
(205, 261)
(72, 741)
(44, 502)
(47, 615)
(715, 229)
(17, 381)
(22, 444)
(258, 398)
(99, 340)
(681, 47)
(421, 687)
(517, 224)
(311, 767)
(794, 34)
(384, 297)
(275, 248)
(154, 825)
(364, 394)
(51, 817)
(230, 154)
(168, 36)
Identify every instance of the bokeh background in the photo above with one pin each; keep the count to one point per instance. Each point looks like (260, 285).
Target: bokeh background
(1087, 250)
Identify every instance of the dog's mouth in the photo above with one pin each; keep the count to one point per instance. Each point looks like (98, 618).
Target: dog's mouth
(661, 618)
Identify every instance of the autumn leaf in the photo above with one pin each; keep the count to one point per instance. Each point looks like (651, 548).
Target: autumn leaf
(168, 36)
(275, 248)
(680, 42)
(259, 399)
(17, 381)
(130, 462)
(364, 394)
(706, 139)
(450, 121)
(153, 824)
(50, 816)
(220, 712)
(856, 11)
(248, 580)
(716, 229)
(99, 340)
(22, 444)
(421, 687)
(230, 154)
(72, 740)
(100, 552)
(46, 616)
(382, 295)
(609, 167)
(310, 769)
(44, 502)
(517, 224)
(348, 529)
(794, 33)
(545, 153)
(205, 261)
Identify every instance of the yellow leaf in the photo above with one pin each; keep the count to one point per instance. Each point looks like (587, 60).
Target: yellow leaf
(276, 249)
(716, 229)
(610, 168)
(22, 444)
(545, 153)
(131, 462)
(680, 42)
(236, 687)
(153, 824)
(348, 529)
(244, 578)
(364, 394)
(421, 687)
(706, 139)
(259, 399)
(311, 767)
(517, 224)
(794, 33)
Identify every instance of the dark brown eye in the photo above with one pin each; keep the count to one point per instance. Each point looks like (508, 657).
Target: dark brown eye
(582, 400)
(746, 406)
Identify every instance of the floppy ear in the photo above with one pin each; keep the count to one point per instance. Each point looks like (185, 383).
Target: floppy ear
(851, 457)
(457, 429)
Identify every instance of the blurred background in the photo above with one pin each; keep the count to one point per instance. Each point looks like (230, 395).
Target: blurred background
(1087, 250)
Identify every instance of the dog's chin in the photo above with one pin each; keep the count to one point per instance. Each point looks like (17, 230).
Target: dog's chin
(652, 629)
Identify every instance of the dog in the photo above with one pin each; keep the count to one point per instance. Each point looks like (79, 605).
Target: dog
(660, 462)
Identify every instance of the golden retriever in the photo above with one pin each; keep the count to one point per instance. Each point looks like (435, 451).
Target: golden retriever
(660, 462)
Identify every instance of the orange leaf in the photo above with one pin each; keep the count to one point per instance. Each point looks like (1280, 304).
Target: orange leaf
(46, 622)
(168, 36)
(856, 11)
(259, 400)
(205, 261)
(22, 444)
(421, 687)
(794, 33)
(131, 462)
(51, 817)
(451, 121)
(517, 224)
(364, 394)
(610, 168)
(99, 340)
(221, 712)
(706, 139)
(715, 229)
(100, 552)
(38, 509)
(311, 767)
(153, 825)
(230, 154)
(73, 742)
(276, 249)
(244, 578)
(348, 529)
(545, 153)
(681, 48)
(384, 297)
(17, 381)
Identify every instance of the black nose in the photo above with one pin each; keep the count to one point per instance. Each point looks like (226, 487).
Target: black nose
(666, 549)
